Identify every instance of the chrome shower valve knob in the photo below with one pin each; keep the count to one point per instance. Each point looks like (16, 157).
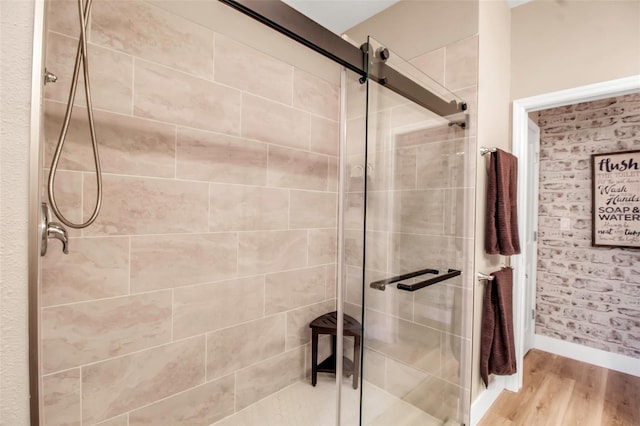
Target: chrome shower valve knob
(50, 230)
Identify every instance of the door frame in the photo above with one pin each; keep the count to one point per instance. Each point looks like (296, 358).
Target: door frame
(531, 229)
(521, 109)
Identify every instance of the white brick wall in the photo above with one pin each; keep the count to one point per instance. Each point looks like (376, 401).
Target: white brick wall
(586, 295)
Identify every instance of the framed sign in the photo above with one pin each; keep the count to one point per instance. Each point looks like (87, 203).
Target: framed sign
(616, 199)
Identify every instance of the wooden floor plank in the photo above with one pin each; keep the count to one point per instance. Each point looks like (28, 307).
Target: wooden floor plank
(622, 403)
(587, 401)
(560, 391)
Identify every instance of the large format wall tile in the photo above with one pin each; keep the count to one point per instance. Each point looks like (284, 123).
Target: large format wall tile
(272, 122)
(271, 251)
(265, 378)
(325, 136)
(247, 69)
(122, 384)
(166, 261)
(377, 249)
(209, 307)
(332, 179)
(290, 168)
(113, 71)
(82, 333)
(291, 289)
(461, 69)
(127, 145)
(311, 209)
(435, 132)
(94, 268)
(435, 165)
(432, 64)
(61, 398)
(143, 30)
(322, 246)
(420, 212)
(151, 206)
(412, 252)
(237, 347)
(247, 208)
(200, 406)
(440, 307)
(298, 331)
(332, 278)
(410, 343)
(68, 194)
(220, 158)
(116, 421)
(62, 17)
(167, 95)
(315, 95)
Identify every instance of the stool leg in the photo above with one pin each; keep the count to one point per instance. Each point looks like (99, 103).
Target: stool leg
(314, 358)
(356, 360)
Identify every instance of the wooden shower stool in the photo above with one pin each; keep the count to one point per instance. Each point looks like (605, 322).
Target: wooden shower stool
(327, 324)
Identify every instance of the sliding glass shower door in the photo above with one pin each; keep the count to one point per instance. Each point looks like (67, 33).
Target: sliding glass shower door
(413, 186)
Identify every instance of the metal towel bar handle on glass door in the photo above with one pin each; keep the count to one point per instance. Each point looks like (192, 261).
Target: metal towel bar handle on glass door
(382, 284)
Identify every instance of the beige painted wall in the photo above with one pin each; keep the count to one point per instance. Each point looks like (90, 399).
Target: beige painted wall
(17, 38)
(564, 44)
(493, 131)
(411, 28)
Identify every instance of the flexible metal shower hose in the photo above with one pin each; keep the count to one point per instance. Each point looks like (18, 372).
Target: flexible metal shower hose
(81, 57)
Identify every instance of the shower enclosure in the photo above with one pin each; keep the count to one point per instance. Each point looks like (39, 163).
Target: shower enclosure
(250, 185)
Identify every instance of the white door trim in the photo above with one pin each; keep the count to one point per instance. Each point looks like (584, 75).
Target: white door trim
(521, 110)
(531, 228)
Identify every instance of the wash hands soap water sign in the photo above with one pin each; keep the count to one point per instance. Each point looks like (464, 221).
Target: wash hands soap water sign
(616, 199)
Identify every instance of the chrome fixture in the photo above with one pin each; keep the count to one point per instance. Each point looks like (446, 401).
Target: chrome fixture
(81, 57)
(49, 77)
(51, 230)
(484, 150)
(484, 277)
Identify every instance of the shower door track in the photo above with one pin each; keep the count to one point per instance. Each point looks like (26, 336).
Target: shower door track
(288, 21)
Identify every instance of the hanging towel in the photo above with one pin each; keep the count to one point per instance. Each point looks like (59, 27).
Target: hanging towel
(497, 349)
(502, 211)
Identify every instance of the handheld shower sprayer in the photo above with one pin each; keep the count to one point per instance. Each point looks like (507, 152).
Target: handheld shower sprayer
(84, 11)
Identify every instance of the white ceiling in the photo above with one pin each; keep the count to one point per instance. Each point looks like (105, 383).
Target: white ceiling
(341, 15)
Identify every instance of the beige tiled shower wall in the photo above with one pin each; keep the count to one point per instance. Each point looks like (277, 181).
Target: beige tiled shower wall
(190, 297)
(420, 186)
(585, 295)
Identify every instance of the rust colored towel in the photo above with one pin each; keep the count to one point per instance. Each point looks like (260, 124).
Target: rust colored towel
(497, 349)
(502, 216)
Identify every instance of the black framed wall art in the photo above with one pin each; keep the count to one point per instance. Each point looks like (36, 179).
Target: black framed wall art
(616, 199)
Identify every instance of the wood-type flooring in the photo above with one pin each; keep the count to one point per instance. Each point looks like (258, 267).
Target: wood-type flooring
(558, 391)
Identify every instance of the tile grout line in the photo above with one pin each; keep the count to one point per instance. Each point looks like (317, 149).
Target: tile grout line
(186, 286)
(188, 127)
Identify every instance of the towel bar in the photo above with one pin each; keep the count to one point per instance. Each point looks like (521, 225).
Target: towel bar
(484, 277)
(382, 284)
(484, 150)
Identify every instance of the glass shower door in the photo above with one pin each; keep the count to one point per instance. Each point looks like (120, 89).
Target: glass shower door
(412, 295)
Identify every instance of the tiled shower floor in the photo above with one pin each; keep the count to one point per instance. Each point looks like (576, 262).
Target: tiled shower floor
(304, 405)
